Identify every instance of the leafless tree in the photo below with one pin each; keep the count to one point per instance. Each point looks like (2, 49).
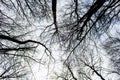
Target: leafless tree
(15, 48)
(82, 66)
(80, 23)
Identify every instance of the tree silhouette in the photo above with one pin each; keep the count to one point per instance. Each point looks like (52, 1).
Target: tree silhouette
(26, 25)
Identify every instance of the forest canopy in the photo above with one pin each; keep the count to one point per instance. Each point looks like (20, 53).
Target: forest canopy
(77, 37)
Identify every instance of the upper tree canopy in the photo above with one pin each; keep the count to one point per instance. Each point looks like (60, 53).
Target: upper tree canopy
(25, 24)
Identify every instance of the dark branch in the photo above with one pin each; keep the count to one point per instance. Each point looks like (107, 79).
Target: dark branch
(71, 72)
(22, 42)
(54, 10)
(16, 49)
(20, 55)
(92, 68)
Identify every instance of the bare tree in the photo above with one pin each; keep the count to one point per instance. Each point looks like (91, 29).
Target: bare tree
(15, 48)
(82, 65)
(77, 26)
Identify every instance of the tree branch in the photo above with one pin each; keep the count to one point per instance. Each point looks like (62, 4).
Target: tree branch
(54, 10)
(22, 42)
(91, 67)
(15, 49)
(71, 72)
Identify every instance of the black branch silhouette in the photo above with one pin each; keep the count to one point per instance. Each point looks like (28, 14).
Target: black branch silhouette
(54, 10)
(22, 42)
